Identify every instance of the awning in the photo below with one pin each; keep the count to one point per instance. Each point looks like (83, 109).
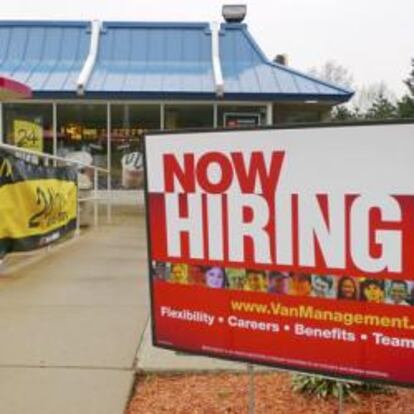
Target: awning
(12, 90)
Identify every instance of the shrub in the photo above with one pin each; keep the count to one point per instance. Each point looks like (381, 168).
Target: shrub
(322, 387)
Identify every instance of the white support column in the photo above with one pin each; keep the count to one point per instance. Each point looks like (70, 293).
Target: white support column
(215, 116)
(162, 116)
(269, 114)
(215, 55)
(54, 130)
(1, 123)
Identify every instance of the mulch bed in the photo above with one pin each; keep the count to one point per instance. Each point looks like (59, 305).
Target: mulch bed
(227, 394)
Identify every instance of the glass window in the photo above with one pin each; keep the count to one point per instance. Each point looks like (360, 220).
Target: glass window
(29, 126)
(298, 114)
(82, 135)
(239, 116)
(128, 124)
(302, 116)
(189, 116)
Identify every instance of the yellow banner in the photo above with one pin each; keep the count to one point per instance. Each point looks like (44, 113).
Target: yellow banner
(35, 207)
(28, 135)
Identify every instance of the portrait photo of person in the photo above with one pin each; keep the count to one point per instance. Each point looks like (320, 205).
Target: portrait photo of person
(372, 290)
(236, 278)
(255, 280)
(160, 270)
(323, 286)
(277, 282)
(215, 277)
(347, 288)
(300, 284)
(196, 275)
(411, 296)
(397, 292)
(179, 273)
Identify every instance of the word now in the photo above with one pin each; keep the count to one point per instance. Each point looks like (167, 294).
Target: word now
(215, 172)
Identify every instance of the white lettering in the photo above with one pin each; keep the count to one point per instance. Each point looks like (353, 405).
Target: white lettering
(313, 227)
(284, 229)
(239, 229)
(215, 227)
(389, 240)
(190, 225)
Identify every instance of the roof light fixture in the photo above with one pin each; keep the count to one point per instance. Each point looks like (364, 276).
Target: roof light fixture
(234, 13)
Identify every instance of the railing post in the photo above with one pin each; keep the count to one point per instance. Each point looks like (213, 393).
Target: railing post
(77, 231)
(95, 192)
(109, 201)
(1, 124)
(54, 131)
(109, 165)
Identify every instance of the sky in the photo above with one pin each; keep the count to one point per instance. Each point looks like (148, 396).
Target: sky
(372, 39)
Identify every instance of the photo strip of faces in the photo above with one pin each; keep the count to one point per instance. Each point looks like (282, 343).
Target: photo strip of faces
(393, 292)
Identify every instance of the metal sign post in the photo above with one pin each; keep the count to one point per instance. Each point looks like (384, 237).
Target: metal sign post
(251, 389)
(340, 397)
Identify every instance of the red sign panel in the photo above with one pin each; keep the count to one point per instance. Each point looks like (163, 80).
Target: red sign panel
(286, 247)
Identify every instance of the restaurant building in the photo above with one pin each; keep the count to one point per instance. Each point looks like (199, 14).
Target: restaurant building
(98, 86)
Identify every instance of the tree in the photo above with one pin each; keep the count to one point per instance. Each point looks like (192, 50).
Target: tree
(368, 94)
(382, 108)
(405, 107)
(410, 80)
(343, 113)
(337, 74)
(334, 73)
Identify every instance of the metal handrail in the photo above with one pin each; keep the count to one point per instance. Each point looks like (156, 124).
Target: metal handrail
(96, 170)
(52, 157)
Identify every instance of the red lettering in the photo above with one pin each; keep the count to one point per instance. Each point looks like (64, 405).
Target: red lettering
(247, 175)
(226, 171)
(186, 176)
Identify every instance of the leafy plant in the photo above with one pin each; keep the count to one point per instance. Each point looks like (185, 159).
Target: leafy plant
(322, 387)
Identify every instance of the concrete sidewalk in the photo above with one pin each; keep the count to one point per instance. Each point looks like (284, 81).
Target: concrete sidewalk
(159, 361)
(71, 324)
(74, 326)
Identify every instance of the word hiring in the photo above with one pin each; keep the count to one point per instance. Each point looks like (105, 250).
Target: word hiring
(225, 207)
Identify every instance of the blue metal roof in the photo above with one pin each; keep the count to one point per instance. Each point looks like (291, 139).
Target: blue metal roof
(150, 60)
(247, 71)
(47, 56)
(153, 58)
